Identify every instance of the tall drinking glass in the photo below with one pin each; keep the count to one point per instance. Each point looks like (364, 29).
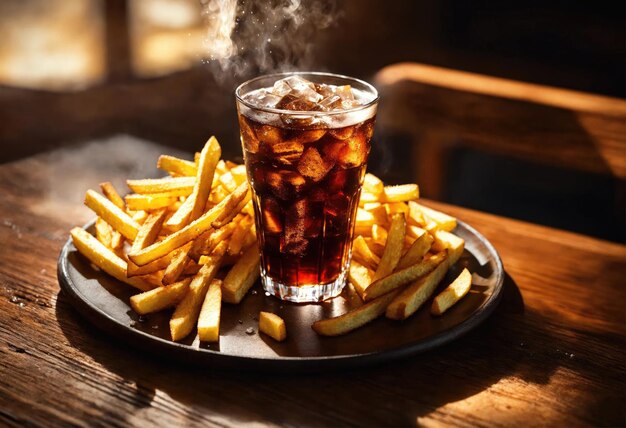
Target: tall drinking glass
(305, 138)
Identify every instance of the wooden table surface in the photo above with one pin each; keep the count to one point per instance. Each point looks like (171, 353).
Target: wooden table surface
(551, 354)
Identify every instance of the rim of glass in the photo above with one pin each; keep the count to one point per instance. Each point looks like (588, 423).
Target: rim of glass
(307, 112)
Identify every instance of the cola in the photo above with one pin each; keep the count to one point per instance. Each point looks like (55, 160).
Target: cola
(305, 147)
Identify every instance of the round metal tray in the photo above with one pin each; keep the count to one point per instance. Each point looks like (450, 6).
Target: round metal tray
(105, 302)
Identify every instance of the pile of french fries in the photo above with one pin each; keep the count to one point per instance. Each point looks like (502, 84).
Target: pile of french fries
(171, 236)
(401, 252)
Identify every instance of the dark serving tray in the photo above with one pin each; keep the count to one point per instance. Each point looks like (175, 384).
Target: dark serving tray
(105, 302)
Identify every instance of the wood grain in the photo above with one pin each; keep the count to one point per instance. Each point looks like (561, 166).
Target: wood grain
(552, 353)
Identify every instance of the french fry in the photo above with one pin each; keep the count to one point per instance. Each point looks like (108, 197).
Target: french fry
(216, 255)
(228, 181)
(272, 325)
(448, 241)
(250, 238)
(191, 231)
(181, 186)
(103, 232)
(176, 166)
(396, 207)
(360, 277)
(354, 319)
(393, 247)
(379, 234)
(112, 214)
(241, 276)
(416, 251)
(373, 184)
(415, 232)
(375, 216)
(140, 216)
(177, 265)
(159, 298)
(414, 296)
(209, 318)
(453, 293)
(402, 277)
(239, 174)
(415, 215)
(228, 215)
(181, 217)
(443, 221)
(187, 311)
(112, 195)
(105, 259)
(152, 267)
(238, 236)
(401, 193)
(209, 156)
(362, 253)
(147, 234)
(213, 238)
(149, 202)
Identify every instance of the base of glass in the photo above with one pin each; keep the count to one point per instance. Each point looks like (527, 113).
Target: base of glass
(304, 293)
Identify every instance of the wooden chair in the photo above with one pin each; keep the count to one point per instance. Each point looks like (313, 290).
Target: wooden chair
(442, 109)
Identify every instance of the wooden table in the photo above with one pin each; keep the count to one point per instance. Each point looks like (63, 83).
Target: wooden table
(552, 353)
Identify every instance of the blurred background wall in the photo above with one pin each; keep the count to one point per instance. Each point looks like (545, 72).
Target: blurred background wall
(164, 70)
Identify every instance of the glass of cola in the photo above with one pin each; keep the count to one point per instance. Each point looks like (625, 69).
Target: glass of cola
(305, 138)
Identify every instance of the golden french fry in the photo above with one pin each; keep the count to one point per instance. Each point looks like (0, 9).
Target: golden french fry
(369, 218)
(178, 264)
(363, 254)
(228, 215)
(209, 156)
(191, 231)
(159, 298)
(179, 186)
(272, 325)
(103, 232)
(177, 166)
(241, 276)
(379, 234)
(149, 202)
(362, 230)
(206, 243)
(239, 174)
(416, 251)
(216, 255)
(360, 277)
(140, 216)
(415, 215)
(373, 184)
(368, 197)
(375, 247)
(112, 214)
(148, 233)
(250, 238)
(411, 298)
(209, 318)
(105, 259)
(402, 277)
(396, 207)
(415, 232)
(181, 217)
(354, 319)
(228, 181)
(187, 311)
(453, 293)
(108, 189)
(236, 240)
(393, 247)
(448, 241)
(443, 221)
(152, 267)
(401, 193)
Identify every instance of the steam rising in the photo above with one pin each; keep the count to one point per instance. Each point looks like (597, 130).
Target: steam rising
(247, 37)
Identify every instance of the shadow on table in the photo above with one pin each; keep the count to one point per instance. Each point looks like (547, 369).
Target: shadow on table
(392, 394)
